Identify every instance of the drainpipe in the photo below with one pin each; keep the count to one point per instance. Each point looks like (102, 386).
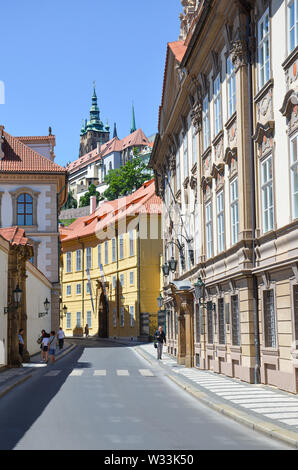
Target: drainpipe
(257, 379)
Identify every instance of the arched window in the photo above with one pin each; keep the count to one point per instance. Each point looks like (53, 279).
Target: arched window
(24, 209)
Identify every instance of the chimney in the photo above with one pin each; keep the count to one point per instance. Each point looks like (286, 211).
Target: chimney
(98, 147)
(92, 204)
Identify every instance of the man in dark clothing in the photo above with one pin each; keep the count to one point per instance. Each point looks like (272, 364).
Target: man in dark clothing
(160, 338)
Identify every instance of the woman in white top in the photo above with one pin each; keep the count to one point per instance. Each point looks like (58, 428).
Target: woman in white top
(45, 347)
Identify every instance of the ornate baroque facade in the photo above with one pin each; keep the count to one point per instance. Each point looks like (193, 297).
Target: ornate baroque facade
(225, 161)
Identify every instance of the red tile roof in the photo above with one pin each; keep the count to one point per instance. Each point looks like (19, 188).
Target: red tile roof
(20, 158)
(135, 139)
(15, 235)
(109, 213)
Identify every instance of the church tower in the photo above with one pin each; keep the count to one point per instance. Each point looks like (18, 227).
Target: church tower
(94, 130)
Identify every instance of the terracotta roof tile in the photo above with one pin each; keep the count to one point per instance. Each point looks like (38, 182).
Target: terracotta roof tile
(18, 157)
(142, 201)
(15, 235)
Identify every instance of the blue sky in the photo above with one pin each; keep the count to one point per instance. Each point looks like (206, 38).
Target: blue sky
(52, 51)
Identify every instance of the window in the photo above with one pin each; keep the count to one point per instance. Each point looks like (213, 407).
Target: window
(221, 322)
(131, 277)
(209, 323)
(231, 84)
(263, 49)
(78, 260)
(235, 321)
(113, 250)
(79, 320)
(68, 320)
(79, 289)
(293, 24)
(106, 252)
(267, 194)
(185, 155)
(294, 174)
(89, 257)
(217, 105)
(114, 282)
(121, 247)
(121, 316)
(68, 262)
(269, 319)
(89, 319)
(194, 146)
(99, 255)
(206, 123)
(114, 317)
(209, 241)
(132, 316)
(131, 243)
(234, 210)
(196, 224)
(68, 290)
(178, 177)
(220, 222)
(122, 280)
(24, 209)
(88, 287)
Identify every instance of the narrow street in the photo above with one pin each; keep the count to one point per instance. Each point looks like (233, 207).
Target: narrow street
(105, 396)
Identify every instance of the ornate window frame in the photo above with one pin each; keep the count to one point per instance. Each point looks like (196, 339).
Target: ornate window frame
(14, 196)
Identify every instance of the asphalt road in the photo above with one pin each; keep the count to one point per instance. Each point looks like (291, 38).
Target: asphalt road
(105, 396)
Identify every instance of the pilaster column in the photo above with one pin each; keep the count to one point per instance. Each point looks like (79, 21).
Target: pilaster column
(240, 56)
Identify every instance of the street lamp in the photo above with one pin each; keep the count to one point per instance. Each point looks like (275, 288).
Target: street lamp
(160, 300)
(17, 296)
(46, 307)
(199, 287)
(165, 269)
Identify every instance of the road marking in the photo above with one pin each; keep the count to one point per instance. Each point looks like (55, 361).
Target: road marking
(77, 372)
(277, 410)
(146, 372)
(122, 372)
(256, 406)
(100, 372)
(244, 396)
(287, 414)
(263, 400)
(248, 393)
(52, 373)
(291, 422)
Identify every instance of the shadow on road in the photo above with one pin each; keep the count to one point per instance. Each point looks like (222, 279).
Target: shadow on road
(22, 406)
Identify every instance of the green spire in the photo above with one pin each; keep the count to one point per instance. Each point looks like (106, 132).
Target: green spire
(133, 124)
(94, 122)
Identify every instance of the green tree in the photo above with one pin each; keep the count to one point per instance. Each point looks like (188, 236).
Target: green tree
(71, 202)
(85, 200)
(123, 181)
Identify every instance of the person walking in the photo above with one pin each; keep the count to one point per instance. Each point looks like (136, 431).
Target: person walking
(52, 346)
(45, 347)
(61, 337)
(21, 342)
(159, 338)
(87, 330)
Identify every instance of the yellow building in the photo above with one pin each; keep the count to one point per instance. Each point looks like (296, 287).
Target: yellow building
(110, 269)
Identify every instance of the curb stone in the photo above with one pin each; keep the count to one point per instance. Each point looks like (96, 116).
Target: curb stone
(269, 429)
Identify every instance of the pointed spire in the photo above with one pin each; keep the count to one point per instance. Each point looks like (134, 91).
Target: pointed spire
(133, 124)
(115, 131)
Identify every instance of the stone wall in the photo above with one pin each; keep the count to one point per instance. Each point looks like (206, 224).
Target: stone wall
(74, 213)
